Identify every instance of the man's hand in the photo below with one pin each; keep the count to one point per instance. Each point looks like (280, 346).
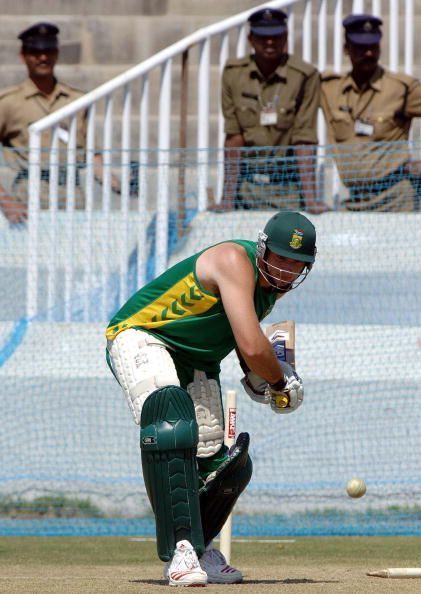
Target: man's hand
(224, 205)
(317, 207)
(288, 397)
(413, 168)
(256, 387)
(16, 212)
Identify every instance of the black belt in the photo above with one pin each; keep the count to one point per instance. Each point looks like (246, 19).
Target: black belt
(23, 174)
(281, 171)
(377, 186)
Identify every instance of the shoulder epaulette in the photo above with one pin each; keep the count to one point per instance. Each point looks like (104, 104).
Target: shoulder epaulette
(235, 62)
(8, 91)
(330, 75)
(303, 67)
(405, 79)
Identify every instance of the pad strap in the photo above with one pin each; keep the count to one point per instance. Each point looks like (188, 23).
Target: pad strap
(206, 396)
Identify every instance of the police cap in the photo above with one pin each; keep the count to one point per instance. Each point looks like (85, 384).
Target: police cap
(268, 22)
(362, 29)
(41, 36)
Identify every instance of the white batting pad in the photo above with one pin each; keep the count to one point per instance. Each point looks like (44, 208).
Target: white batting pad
(206, 397)
(141, 364)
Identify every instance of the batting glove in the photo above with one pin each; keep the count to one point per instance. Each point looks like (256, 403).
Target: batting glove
(286, 395)
(256, 387)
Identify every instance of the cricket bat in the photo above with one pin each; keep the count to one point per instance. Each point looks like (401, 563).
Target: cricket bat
(282, 336)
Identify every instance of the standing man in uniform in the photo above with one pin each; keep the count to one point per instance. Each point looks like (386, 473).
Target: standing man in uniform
(165, 346)
(22, 105)
(270, 99)
(369, 113)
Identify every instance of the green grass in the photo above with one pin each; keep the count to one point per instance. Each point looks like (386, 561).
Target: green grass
(109, 551)
(57, 506)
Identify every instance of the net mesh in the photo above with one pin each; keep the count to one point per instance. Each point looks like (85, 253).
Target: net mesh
(70, 459)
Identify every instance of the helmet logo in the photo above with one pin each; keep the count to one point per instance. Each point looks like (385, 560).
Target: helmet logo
(296, 239)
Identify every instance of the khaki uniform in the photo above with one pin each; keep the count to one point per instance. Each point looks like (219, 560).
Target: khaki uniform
(368, 120)
(292, 91)
(21, 106)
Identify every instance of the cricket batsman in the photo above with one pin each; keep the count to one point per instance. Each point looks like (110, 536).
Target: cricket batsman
(165, 346)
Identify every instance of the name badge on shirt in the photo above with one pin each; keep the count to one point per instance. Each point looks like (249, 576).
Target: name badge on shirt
(268, 116)
(363, 129)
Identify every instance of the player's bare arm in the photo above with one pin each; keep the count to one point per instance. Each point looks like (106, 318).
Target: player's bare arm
(226, 269)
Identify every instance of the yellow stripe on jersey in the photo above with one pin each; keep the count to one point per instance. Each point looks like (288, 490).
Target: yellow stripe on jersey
(184, 299)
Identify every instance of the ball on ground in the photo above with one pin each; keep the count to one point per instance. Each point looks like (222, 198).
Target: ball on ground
(356, 488)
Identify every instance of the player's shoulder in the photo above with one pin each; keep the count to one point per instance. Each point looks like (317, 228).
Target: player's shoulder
(11, 91)
(329, 76)
(230, 251)
(400, 77)
(300, 66)
(235, 63)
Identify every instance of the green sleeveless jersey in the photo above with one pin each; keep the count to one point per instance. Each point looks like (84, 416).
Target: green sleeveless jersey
(178, 310)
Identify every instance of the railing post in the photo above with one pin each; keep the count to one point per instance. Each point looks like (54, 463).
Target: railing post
(203, 124)
(307, 40)
(223, 57)
(394, 35)
(291, 29)
(33, 220)
(70, 214)
(106, 200)
(53, 206)
(358, 7)
(182, 143)
(125, 193)
(163, 168)
(337, 36)
(89, 193)
(241, 41)
(409, 36)
(143, 181)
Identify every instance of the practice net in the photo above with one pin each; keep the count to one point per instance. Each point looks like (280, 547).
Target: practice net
(69, 450)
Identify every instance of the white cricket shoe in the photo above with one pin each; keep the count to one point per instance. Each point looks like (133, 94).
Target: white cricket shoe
(219, 571)
(184, 568)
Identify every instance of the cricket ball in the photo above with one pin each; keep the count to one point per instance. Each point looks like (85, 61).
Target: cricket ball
(356, 488)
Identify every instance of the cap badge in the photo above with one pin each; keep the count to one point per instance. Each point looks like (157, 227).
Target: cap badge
(368, 27)
(267, 15)
(296, 239)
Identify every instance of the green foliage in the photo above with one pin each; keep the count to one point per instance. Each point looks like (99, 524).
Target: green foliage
(54, 506)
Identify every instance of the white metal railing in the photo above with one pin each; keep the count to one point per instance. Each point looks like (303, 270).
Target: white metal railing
(307, 16)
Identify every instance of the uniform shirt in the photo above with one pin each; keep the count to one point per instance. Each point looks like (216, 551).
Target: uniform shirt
(293, 88)
(177, 309)
(387, 106)
(24, 104)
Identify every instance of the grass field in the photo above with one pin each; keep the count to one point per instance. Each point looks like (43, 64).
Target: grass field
(108, 564)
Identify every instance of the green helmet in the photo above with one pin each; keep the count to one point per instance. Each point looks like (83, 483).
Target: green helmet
(289, 234)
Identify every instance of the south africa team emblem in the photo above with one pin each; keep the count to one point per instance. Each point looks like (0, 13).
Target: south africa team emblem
(296, 239)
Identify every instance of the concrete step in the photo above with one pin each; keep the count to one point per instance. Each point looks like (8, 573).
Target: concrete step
(109, 40)
(49, 7)
(219, 9)
(121, 39)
